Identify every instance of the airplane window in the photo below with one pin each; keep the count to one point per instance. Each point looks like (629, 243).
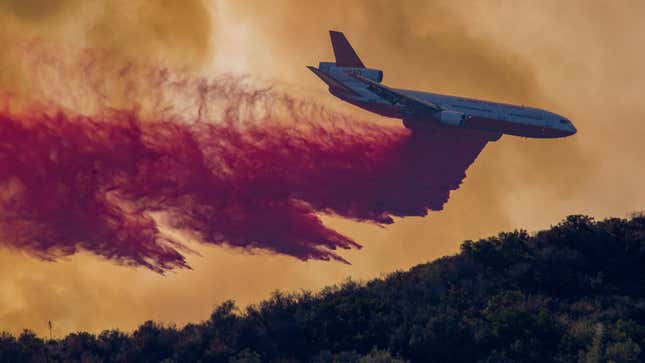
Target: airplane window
(526, 116)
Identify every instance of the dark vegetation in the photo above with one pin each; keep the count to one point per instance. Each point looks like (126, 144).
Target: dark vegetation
(573, 293)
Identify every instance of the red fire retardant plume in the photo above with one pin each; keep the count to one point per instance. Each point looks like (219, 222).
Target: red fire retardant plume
(106, 183)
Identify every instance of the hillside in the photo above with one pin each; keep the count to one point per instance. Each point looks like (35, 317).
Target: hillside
(575, 292)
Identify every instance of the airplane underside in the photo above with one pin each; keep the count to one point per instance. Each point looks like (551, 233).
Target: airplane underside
(492, 129)
(512, 128)
(431, 126)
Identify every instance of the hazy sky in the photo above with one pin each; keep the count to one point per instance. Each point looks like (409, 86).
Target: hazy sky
(580, 59)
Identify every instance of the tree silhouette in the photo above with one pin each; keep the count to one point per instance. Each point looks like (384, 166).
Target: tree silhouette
(571, 293)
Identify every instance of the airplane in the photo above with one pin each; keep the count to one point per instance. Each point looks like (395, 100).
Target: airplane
(349, 80)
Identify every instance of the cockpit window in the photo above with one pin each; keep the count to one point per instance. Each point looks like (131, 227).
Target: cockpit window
(564, 121)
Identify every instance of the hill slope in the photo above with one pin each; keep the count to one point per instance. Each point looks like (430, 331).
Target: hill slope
(575, 292)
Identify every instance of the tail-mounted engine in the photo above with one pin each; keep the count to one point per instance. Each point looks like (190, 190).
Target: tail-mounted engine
(343, 73)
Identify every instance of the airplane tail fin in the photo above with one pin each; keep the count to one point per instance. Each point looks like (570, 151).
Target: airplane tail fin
(343, 51)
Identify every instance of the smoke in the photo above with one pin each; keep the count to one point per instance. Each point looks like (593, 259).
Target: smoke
(171, 33)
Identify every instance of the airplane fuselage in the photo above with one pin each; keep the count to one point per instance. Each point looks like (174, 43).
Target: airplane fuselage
(349, 80)
(492, 117)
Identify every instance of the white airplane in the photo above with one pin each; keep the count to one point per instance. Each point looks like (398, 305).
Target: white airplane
(351, 81)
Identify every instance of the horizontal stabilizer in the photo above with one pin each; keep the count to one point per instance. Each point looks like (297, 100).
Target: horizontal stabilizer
(345, 54)
(331, 81)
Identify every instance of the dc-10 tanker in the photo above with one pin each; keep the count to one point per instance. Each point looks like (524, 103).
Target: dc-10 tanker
(349, 80)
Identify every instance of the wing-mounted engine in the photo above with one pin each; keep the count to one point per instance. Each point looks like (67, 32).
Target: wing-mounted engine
(439, 118)
(449, 123)
(451, 118)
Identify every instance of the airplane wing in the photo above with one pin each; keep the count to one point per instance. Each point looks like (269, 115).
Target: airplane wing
(395, 97)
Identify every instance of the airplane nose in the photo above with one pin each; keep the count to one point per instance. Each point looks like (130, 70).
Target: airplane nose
(573, 130)
(567, 126)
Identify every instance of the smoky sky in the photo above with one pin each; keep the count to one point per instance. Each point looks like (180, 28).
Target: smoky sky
(166, 33)
(576, 59)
